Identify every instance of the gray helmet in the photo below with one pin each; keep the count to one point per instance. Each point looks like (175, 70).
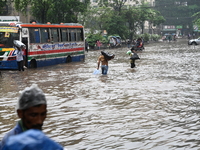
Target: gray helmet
(31, 96)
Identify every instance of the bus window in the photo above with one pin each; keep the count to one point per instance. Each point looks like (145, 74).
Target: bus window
(72, 34)
(34, 35)
(55, 35)
(44, 35)
(79, 34)
(7, 38)
(64, 35)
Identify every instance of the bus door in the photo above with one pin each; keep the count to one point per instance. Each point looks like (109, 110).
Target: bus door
(25, 39)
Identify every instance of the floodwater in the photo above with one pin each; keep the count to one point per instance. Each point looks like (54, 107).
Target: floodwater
(151, 107)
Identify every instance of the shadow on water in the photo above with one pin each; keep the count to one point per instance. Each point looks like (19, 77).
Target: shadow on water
(153, 106)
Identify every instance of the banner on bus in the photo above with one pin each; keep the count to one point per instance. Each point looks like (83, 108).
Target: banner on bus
(9, 29)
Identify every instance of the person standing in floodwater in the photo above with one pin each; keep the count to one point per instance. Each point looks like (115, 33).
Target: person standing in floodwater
(133, 56)
(20, 58)
(104, 63)
(98, 43)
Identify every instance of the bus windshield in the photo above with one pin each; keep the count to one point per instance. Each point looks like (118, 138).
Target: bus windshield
(8, 35)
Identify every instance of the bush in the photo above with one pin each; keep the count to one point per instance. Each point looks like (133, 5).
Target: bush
(146, 37)
(155, 37)
(92, 39)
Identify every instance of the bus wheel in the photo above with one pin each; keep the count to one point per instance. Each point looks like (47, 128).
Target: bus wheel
(69, 59)
(33, 64)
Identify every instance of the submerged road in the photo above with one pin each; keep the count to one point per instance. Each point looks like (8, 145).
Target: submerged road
(151, 107)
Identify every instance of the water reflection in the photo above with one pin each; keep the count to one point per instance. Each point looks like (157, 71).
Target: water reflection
(153, 106)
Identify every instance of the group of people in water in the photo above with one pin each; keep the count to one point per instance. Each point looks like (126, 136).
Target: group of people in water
(105, 57)
(137, 44)
(114, 41)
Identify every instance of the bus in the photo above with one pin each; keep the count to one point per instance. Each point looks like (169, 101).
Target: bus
(46, 44)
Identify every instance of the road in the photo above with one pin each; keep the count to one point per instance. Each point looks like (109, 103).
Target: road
(151, 107)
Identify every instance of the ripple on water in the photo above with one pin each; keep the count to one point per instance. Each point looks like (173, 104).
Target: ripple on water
(153, 106)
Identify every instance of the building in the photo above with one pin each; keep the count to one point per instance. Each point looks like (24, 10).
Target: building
(9, 10)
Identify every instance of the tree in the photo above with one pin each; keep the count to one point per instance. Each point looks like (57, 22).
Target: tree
(137, 16)
(116, 25)
(40, 9)
(178, 12)
(154, 18)
(132, 16)
(54, 11)
(117, 5)
(197, 19)
(2, 6)
(94, 18)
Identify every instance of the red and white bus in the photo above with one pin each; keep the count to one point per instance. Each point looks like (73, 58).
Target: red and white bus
(46, 44)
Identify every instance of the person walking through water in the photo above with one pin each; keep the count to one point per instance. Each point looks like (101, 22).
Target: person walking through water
(20, 57)
(86, 45)
(133, 56)
(104, 62)
(98, 43)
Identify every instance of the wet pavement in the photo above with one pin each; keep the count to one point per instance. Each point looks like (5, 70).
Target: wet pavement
(151, 107)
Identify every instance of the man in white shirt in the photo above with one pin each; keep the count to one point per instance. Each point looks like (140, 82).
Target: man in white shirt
(19, 58)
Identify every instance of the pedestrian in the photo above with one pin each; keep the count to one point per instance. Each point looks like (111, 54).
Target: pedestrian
(86, 45)
(24, 58)
(103, 60)
(133, 56)
(139, 43)
(189, 36)
(98, 43)
(31, 109)
(128, 43)
(174, 37)
(134, 43)
(20, 57)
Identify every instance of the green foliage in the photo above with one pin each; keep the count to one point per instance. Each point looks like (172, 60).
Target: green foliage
(2, 4)
(21, 5)
(118, 19)
(54, 11)
(178, 12)
(146, 37)
(197, 19)
(104, 40)
(116, 5)
(116, 25)
(155, 37)
(95, 18)
(92, 39)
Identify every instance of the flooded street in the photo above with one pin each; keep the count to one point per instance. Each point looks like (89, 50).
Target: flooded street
(151, 107)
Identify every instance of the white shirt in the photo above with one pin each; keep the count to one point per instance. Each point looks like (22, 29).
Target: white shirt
(19, 55)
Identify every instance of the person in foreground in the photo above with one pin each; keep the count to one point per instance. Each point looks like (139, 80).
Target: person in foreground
(104, 62)
(32, 111)
(31, 140)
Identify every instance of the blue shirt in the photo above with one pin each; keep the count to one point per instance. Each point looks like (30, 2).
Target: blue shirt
(16, 130)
